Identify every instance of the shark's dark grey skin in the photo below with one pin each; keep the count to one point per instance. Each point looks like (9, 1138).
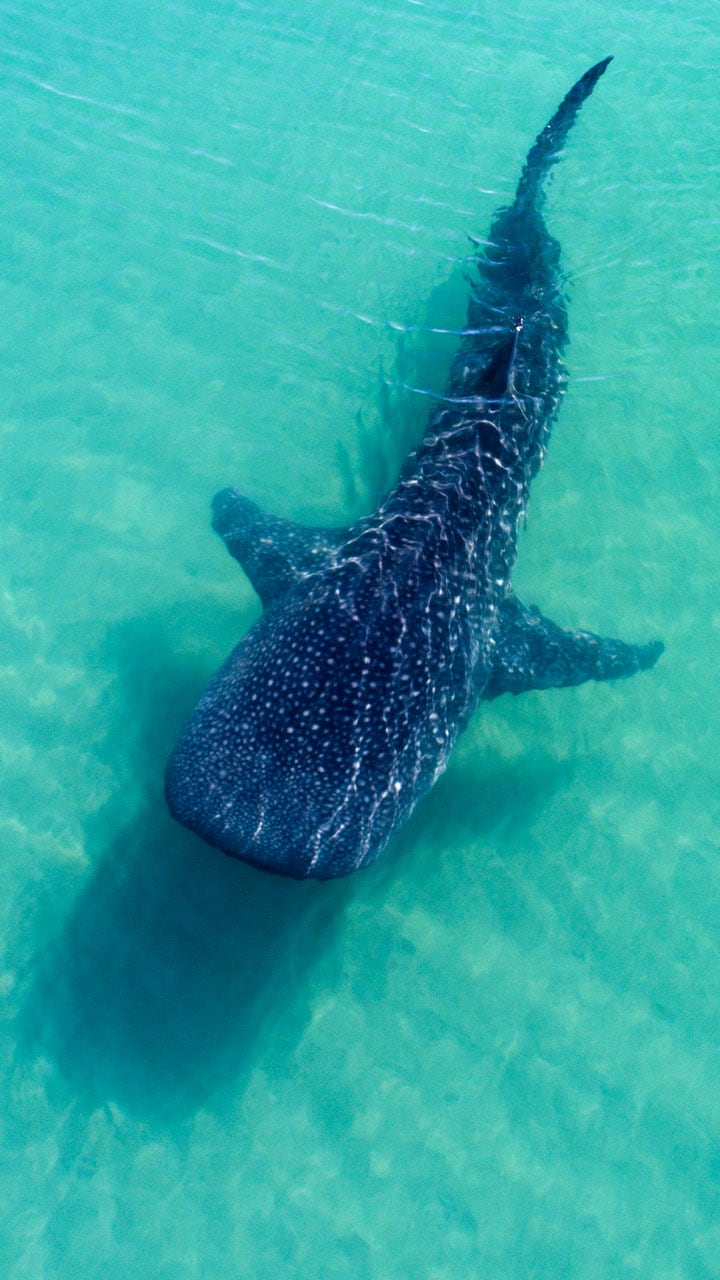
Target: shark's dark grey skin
(340, 708)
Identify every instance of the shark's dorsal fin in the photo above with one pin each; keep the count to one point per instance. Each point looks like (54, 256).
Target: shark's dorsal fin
(535, 653)
(275, 554)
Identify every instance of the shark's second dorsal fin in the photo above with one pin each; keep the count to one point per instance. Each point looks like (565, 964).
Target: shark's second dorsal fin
(275, 554)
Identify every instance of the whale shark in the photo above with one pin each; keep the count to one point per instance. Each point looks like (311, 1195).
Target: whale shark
(339, 709)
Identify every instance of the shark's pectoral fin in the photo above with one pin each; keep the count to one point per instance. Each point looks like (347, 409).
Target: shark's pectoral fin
(275, 554)
(534, 653)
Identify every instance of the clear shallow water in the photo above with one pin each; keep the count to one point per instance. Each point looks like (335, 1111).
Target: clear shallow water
(496, 1053)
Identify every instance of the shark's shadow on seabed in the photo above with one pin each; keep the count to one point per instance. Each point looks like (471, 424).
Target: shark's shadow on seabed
(171, 960)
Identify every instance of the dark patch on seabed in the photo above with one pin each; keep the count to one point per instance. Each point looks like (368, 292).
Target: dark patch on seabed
(156, 988)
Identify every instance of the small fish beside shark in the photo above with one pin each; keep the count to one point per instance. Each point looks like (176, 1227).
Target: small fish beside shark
(339, 709)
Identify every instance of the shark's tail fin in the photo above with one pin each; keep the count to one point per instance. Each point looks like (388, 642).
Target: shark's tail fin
(546, 149)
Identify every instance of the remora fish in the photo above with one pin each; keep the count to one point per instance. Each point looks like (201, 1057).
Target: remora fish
(339, 709)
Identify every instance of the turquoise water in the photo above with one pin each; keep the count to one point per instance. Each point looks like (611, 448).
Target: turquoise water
(496, 1053)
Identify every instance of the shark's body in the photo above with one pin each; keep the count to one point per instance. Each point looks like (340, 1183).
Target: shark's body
(340, 708)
